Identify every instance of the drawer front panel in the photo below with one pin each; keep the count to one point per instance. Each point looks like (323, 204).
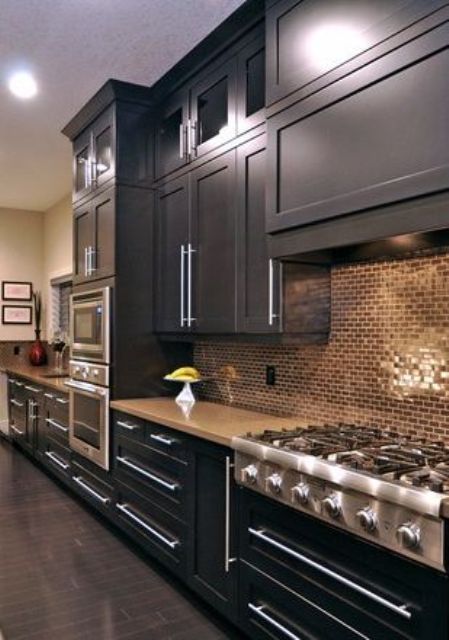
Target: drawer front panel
(157, 476)
(129, 426)
(151, 527)
(57, 457)
(92, 488)
(365, 583)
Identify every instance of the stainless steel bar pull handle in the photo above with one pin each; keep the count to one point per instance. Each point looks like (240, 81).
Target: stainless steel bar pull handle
(272, 316)
(190, 318)
(170, 543)
(168, 441)
(56, 425)
(183, 253)
(33, 389)
(401, 610)
(56, 460)
(127, 425)
(171, 486)
(259, 611)
(228, 559)
(16, 403)
(181, 141)
(189, 137)
(93, 493)
(16, 430)
(50, 396)
(86, 261)
(62, 401)
(93, 260)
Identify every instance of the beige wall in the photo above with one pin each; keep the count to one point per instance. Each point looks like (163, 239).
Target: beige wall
(57, 248)
(21, 258)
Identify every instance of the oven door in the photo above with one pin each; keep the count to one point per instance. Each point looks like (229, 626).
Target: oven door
(89, 320)
(89, 421)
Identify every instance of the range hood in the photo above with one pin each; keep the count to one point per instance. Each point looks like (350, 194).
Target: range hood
(396, 230)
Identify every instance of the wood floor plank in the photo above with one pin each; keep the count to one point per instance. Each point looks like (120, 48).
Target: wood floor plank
(65, 576)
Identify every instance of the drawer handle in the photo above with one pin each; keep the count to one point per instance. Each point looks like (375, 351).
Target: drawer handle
(62, 401)
(92, 492)
(55, 459)
(33, 389)
(127, 425)
(399, 609)
(172, 486)
(168, 441)
(16, 403)
(19, 384)
(259, 610)
(170, 543)
(50, 396)
(55, 424)
(16, 430)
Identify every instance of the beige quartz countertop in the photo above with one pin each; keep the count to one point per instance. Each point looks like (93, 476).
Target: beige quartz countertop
(36, 374)
(215, 422)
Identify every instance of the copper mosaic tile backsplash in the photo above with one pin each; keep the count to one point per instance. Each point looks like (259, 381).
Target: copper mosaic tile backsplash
(386, 363)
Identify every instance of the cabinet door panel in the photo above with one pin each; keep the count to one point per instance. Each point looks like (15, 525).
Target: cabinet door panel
(213, 108)
(251, 85)
(171, 141)
(358, 152)
(103, 137)
(83, 239)
(82, 165)
(213, 238)
(307, 39)
(104, 256)
(258, 280)
(172, 214)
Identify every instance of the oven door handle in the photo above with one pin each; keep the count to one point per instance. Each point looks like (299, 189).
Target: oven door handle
(85, 386)
(401, 610)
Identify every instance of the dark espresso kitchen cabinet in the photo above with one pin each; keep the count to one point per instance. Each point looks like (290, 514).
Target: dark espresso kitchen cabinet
(224, 99)
(311, 43)
(94, 238)
(328, 157)
(196, 250)
(112, 140)
(212, 557)
(259, 277)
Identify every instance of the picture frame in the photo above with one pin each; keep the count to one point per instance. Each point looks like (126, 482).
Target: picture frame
(17, 314)
(17, 291)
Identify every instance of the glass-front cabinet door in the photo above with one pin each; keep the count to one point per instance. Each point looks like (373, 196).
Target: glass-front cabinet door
(213, 108)
(103, 145)
(172, 134)
(82, 166)
(251, 85)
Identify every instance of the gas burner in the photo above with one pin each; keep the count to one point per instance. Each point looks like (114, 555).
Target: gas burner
(436, 479)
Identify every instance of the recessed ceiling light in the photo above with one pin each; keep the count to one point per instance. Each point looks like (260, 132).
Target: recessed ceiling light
(23, 85)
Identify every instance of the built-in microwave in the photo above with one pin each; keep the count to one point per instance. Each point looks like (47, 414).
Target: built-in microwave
(90, 325)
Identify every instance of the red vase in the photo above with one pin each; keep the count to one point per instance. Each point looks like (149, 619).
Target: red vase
(38, 355)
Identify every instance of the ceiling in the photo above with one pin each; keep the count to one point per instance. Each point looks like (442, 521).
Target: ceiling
(72, 47)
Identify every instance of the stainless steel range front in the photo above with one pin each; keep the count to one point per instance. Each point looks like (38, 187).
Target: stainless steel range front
(390, 489)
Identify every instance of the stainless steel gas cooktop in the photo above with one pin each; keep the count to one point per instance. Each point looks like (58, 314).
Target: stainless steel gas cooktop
(386, 487)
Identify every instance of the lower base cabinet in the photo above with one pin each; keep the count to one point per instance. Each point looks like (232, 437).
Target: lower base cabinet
(212, 553)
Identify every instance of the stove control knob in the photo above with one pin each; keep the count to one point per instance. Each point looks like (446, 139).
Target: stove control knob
(367, 518)
(275, 482)
(301, 493)
(409, 535)
(85, 372)
(250, 474)
(332, 505)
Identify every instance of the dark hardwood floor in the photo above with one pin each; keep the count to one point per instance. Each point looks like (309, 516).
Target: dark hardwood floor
(66, 576)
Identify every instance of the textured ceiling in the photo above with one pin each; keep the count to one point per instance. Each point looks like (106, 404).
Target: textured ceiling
(72, 47)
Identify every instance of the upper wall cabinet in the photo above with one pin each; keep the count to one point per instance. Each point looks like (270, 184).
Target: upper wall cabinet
(372, 138)
(224, 100)
(111, 140)
(313, 42)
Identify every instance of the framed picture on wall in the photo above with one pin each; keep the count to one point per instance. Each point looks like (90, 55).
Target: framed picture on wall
(17, 291)
(19, 314)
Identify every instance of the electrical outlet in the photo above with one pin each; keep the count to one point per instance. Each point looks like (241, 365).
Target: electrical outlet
(16, 350)
(270, 375)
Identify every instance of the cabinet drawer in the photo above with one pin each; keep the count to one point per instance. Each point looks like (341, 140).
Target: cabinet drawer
(157, 476)
(56, 430)
(357, 581)
(129, 426)
(152, 528)
(167, 441)
(90, 486)
(57, 457)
